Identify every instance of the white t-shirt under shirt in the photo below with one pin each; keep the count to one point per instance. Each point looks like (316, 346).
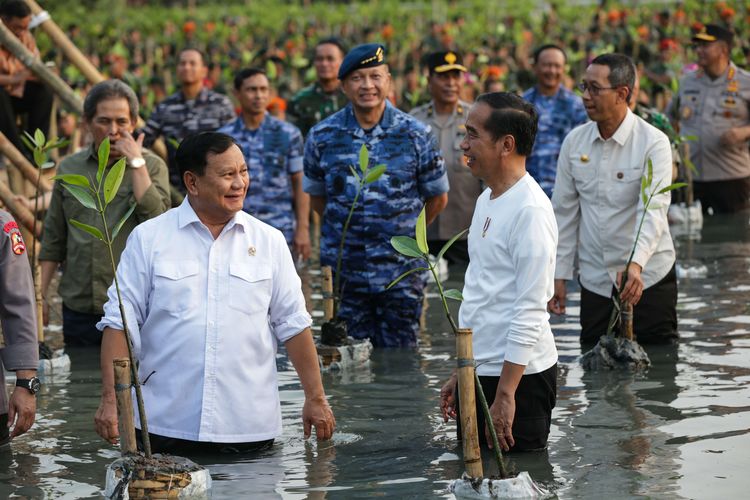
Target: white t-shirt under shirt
(510, 279)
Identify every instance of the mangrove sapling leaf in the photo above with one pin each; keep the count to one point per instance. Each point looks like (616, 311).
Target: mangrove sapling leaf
(39, 137)
(690, 165)
(113, 180)
(74, 179)
(39, 156)
(450, 243)
(103, 156)
(28, 141)
(374, 174)
(80, 194)
(93, 231)
(404, 275)
(354, 173)
(364, 158)
(672, 187)
(421, 232)
(406, 245)
(650, 172)
(119, 225)
(454, 294)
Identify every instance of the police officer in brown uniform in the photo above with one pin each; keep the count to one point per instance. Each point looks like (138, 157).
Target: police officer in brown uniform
(446, 115)
(712, 105)
(18, 318)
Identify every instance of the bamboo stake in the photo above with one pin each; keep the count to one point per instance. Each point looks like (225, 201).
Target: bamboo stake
(467, 399)
(22, 164)
(688, 176)
(22, 214)
(627, 322)
(61, 40)
(69, 98)
(125, 421)
(327, 293)
(39, 299)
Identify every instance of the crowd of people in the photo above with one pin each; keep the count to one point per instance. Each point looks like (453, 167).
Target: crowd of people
(548, 179)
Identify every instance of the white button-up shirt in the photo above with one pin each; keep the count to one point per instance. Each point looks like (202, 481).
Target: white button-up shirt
(205, 315)
(598, 205)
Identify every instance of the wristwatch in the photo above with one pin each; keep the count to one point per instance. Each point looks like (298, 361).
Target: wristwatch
(32, 384)
(137, 162)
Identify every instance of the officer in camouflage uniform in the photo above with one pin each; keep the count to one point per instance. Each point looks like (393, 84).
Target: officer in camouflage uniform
(18, 319)
(415, 177)
(324, 97)
(273, 153)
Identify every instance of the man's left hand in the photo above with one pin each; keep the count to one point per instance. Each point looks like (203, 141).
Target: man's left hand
(502, 411)
(316, 413)
(734, 136)
(21, 411)
(127, 146)
(301, 244)
(633, 289)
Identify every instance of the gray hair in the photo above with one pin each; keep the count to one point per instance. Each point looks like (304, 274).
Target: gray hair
(109, 89)
(621, 70)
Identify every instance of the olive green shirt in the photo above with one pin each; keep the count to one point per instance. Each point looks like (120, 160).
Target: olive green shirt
(87, 271)
(312, 104)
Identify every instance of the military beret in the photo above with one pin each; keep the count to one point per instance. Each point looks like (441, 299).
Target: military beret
(440, 62)
(712, 33)
(362, 56)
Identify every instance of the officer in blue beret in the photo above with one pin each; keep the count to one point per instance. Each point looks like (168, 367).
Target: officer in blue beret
(415, 177)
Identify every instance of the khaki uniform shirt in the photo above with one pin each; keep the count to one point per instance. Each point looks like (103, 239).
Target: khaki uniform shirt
(17, 305)
(464, 187)
(87, 269)
(706, 109)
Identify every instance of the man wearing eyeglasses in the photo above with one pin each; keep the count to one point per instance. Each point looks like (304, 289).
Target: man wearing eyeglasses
(712, 105)
(598, 206)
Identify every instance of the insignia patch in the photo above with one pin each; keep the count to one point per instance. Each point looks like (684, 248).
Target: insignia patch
(17, 243)
(686, 113)
(251, 251)
(729, 102)
(585, 158)
(9, 226)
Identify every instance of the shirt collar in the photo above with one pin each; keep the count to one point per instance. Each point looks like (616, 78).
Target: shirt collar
(186, 216)
(201, 97)
(386, 121)
(622, 133)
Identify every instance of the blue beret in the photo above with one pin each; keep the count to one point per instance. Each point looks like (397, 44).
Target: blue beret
(362, 56)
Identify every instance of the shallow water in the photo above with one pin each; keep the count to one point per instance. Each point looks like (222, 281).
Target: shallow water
(681, 430)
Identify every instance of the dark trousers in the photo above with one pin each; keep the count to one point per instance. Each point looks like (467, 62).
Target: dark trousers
(654, 317)
(724, 197)
(4, 432)
(174, 446)
(536, 396)
(36, 104)
(79, 329)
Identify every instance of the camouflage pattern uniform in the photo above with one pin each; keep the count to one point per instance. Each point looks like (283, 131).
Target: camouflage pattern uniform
(175, 118)
(388, 207)
(558, 115)
(273, 152)
(312, 104)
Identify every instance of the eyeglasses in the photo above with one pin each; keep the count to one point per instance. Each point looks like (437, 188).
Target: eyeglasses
(594, 90)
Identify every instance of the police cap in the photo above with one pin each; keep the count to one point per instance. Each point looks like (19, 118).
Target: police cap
(712, 33)
(440, 62)
(362, 56)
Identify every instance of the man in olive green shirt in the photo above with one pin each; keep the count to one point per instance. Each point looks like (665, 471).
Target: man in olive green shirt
(110, 110)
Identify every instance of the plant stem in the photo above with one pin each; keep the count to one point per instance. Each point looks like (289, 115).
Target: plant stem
(442, 295)
(339, 258)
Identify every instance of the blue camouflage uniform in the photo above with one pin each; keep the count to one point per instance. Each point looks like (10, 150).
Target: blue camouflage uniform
(273, 152)
(387, 207)
(558, 115)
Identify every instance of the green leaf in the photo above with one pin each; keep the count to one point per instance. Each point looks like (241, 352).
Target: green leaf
(644, 185)
(28, 141)
(173, 142)
(61, 143)
(406, 245)
(454, 294)
(650, 172)
(354, 173)
(83, 196)
(39, 138)
(39, 157)
(689, 137)
(690, 165)
(374, 174)
(119, 225)
(113, 180)
(422, 231)
(407, 273)
(450, 243)
(93, 231)
(74, 179)
(672, 187)
(364, 158)
(103, 160)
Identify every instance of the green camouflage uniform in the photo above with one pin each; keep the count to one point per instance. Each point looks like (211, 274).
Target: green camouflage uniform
(312, 104)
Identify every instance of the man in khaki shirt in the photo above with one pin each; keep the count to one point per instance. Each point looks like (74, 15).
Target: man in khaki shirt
(446, 115)
(110, 110)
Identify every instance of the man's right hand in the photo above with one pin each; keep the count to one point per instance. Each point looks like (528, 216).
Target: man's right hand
(448, 398)
(556, 304)
(105, 420)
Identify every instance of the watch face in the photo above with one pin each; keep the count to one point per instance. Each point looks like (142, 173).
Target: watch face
(34, 385)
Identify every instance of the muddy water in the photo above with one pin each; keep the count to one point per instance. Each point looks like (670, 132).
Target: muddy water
(681, 430)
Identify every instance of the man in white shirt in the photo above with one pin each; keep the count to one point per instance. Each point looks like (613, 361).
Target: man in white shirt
(209, 291)
(598, 207)
(510, 278)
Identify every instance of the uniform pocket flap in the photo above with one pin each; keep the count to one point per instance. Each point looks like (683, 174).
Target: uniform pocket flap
(176, 269)
(259, 271)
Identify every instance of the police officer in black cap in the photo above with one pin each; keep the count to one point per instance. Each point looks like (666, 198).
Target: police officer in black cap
(712, 104)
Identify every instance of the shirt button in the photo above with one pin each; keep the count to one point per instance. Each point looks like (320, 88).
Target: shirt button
(620, 175)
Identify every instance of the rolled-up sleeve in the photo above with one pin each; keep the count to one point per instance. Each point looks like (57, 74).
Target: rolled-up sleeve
(288, 315)
(566, 206)
(155, 200)
(296, 151)
(432, 177)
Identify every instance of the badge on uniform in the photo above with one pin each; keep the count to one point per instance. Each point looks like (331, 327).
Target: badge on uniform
(16, 240)
(729, 102)
(585, 158)
(686, 113)
(251, 251)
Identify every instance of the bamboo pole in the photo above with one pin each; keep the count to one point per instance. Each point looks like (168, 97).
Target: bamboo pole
(688, 175)
(69, 98)
(22, 214)
(39, 299)
(22, 164)
(61, 40)
(327, 293)
(627, 322)
(467, 398)
(125, 420)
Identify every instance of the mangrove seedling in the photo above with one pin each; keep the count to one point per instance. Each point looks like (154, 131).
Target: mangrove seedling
(333, 332)
(97, 194)
(418, 249)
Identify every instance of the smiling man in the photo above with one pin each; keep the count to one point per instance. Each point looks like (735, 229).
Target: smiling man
(273, 153)
(415, 177)
(109, 111)
(209, 291)
(560, 111)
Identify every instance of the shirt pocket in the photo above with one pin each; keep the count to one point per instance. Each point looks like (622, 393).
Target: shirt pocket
(582, 172)
(250, 287)
(176, 285)
(626, 185)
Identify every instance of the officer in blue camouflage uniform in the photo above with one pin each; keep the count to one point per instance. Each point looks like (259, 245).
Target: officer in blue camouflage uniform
(192, 109)
(273, 153)
(415, 177)
(560, 111)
